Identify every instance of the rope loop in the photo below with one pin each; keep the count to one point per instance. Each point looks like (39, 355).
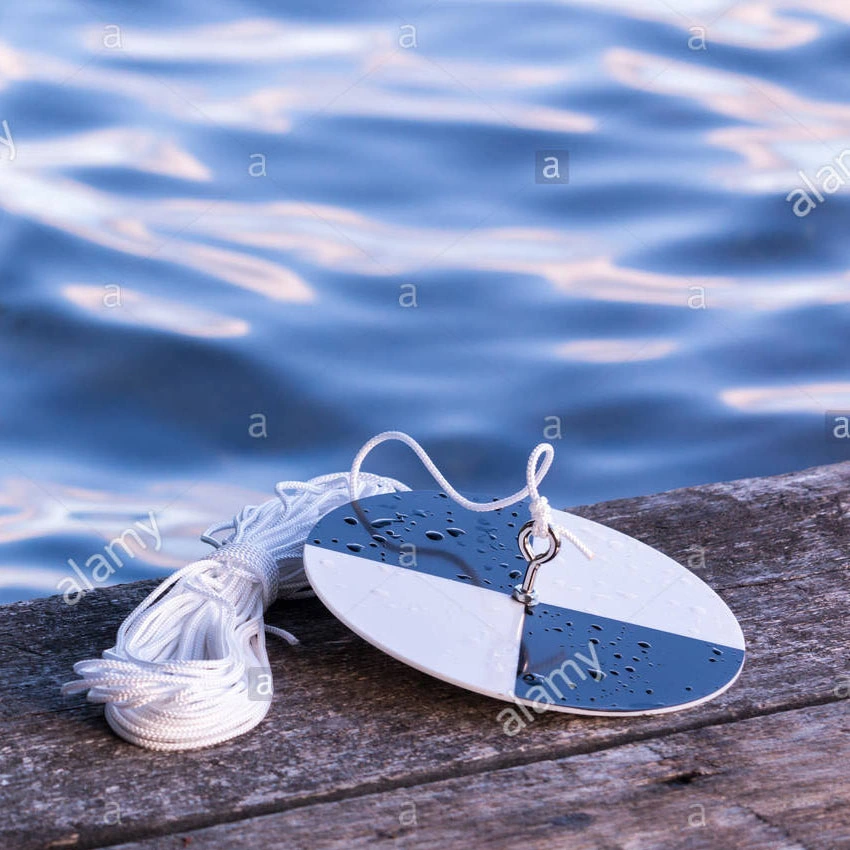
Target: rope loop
(535, 472)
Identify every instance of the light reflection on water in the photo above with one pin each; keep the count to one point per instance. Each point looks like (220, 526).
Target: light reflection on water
(666, 304)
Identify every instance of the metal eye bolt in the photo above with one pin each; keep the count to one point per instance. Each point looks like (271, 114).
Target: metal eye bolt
(525, 592)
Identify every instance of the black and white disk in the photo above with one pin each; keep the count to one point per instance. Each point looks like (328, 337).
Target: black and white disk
(629, 632)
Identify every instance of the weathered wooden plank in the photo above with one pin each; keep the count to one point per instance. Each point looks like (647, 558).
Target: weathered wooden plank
(348, 720)
(770, 783)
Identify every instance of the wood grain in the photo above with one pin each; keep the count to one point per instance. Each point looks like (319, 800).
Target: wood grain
(350, 724)
(758, 784)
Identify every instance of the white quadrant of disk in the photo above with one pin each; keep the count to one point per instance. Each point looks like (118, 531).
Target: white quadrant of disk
(629, 581)
(468, 636)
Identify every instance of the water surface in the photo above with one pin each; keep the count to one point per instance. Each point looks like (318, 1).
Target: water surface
(218, 212)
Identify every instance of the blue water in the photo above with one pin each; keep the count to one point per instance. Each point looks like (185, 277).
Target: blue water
(263, 187)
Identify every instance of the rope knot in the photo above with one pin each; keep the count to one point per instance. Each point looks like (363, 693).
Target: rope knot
(541, 516)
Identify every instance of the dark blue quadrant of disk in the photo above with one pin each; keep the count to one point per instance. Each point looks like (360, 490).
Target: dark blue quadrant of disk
(481, 550)
(582, 660)
(566, 657)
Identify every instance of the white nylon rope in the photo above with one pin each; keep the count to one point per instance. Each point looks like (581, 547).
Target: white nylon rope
(179, 675)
